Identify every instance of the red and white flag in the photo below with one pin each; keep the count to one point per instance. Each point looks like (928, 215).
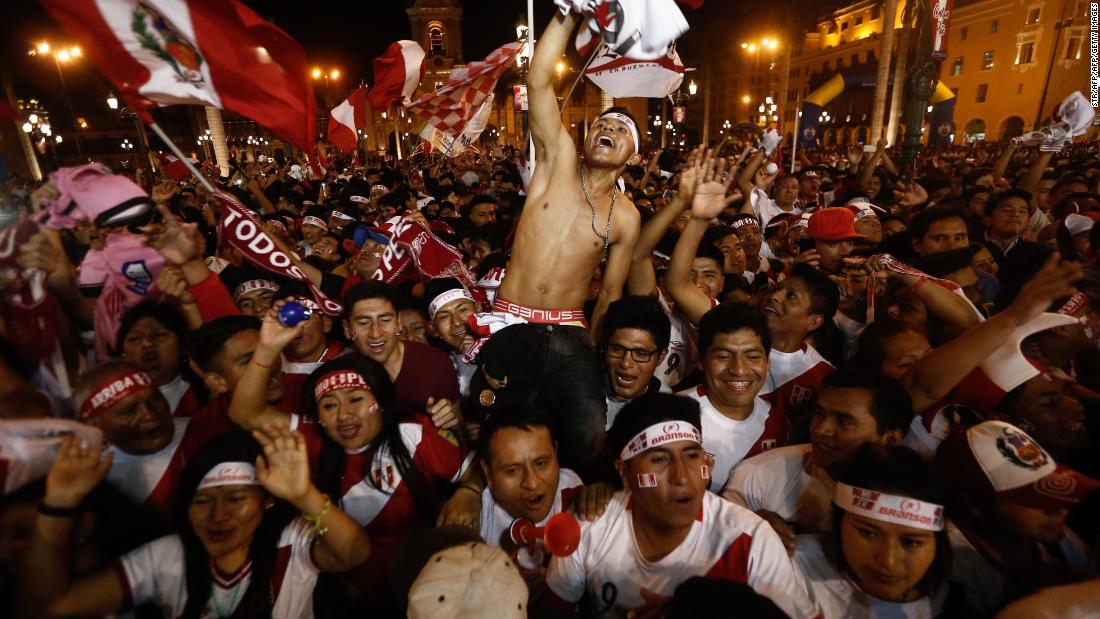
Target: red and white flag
(200, 52)
(624, 77)
(453, 146)
(172, 167)
(397, 73)
(451, 107)
(345, 120)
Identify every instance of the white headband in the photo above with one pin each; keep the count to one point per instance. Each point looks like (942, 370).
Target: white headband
(252, 285)
(623, 118)
(230, 474)
(359, 199)
(445, 298)
(658, 434)
(314, 221)
(342, 215)
(902, 510)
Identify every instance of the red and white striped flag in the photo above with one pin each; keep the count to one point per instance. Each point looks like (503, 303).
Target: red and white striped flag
(451, 107)
(172, 167)
(345, 120)
(200, 52)
(397, 73)
(453, 146)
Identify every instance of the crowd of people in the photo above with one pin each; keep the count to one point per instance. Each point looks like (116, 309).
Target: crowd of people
(851, 390)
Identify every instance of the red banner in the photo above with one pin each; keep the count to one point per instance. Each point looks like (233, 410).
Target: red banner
(941, 21)
(412, 243)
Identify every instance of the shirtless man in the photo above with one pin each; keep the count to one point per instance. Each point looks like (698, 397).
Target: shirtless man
(574, 217)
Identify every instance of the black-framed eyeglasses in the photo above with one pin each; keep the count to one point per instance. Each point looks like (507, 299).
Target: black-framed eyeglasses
(639, 355)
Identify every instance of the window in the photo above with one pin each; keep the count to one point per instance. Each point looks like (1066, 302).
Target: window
(435, 41)
(1033, 16)
(982, 88)
(957, 66)
(993, 25)
(843, 26)
(987, 60)
(962, 33)
(859, 20)
(874, 12)
(1025, 53)
(1073, 48)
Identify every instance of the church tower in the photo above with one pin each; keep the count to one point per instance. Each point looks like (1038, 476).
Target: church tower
(437, 26)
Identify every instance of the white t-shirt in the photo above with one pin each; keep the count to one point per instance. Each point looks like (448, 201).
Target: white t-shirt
(726, 542)
(496, 523)
(154, 573)
(766, 208)
(682, 354)
(786, 482)
(838, 597)
(140, 477)
(465, 371)
(732, 441)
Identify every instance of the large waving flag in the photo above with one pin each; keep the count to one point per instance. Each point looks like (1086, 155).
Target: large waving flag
(450, 108)
(397, 73)
(623, 77)
(201, 52)
(453, 146)
(345, 120)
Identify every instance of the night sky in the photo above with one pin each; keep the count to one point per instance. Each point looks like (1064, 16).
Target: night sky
(347, 35)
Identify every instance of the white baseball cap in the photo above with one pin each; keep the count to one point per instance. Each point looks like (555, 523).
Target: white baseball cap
(470, 581)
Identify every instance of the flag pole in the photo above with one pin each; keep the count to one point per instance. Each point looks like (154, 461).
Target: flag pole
(794, 136)
(581, 75)
(179, 154)
(396, 134)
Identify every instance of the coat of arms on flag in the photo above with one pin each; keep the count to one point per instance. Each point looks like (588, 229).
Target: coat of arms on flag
(157, 35)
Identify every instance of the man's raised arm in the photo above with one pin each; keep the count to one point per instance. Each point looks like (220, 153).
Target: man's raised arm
(551, 139)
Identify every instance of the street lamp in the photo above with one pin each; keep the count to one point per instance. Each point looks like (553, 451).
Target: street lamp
(62, 55)
(112, 102)
(693, 88)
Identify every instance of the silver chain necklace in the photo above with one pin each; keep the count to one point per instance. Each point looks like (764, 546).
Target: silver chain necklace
(606, 236)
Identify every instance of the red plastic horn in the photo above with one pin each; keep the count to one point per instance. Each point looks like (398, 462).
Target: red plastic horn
(561, 535)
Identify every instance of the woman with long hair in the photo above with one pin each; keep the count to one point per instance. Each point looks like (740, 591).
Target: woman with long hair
(254, 535)
(380, 461)
(888, 555)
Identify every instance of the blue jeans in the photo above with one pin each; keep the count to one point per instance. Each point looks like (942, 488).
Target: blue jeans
(573, 391)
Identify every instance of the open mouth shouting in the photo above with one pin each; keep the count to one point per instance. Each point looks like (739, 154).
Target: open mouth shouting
(605, 140)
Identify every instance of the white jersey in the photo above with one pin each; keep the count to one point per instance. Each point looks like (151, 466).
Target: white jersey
(496, 523)
(154, 573)
(174, 391)
(726, 542)
(786, 482)
(731, 441)
(838, 597)
(143, 477)
(465, 371)
(682, 354)
(765, 208)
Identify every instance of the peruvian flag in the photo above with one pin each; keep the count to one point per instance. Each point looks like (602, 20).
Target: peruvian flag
(172, 167)
(198, 52)
(346, 119)
(397, 73)
(624, 77)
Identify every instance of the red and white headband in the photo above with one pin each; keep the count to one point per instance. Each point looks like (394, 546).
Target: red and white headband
(107, 395)
(310, 220)
(340, 379)
(253, 285)
(379, 189)
(445, 298)
(623, 118)
(342, 215)
(660, 434)
(359, 199)
(892, 508)
(230, 474)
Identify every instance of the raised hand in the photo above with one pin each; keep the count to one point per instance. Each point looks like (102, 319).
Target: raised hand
(164, 191)
(274, 335)
(283, 470)
(178, 242)
(710, 194)
(1053, 281)
(77, 470)
(690, 174)
(910, 194)
(444, 413)
(171, 282)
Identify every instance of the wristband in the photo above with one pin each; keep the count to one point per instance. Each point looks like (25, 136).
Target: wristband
(318, 530)
(253, 361)
(58, 512)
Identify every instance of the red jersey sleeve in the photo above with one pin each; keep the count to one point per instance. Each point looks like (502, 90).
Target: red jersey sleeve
(439, 455)
(213, 299)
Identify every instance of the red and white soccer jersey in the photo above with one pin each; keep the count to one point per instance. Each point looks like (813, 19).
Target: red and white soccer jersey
(732, 441)
(153, 478)
(794, 378)
(181, 397)
(682, 353)
(295, 374)
(838, 598)
(496, 523)
(154, 574)
(785, 481)
(726, 542)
